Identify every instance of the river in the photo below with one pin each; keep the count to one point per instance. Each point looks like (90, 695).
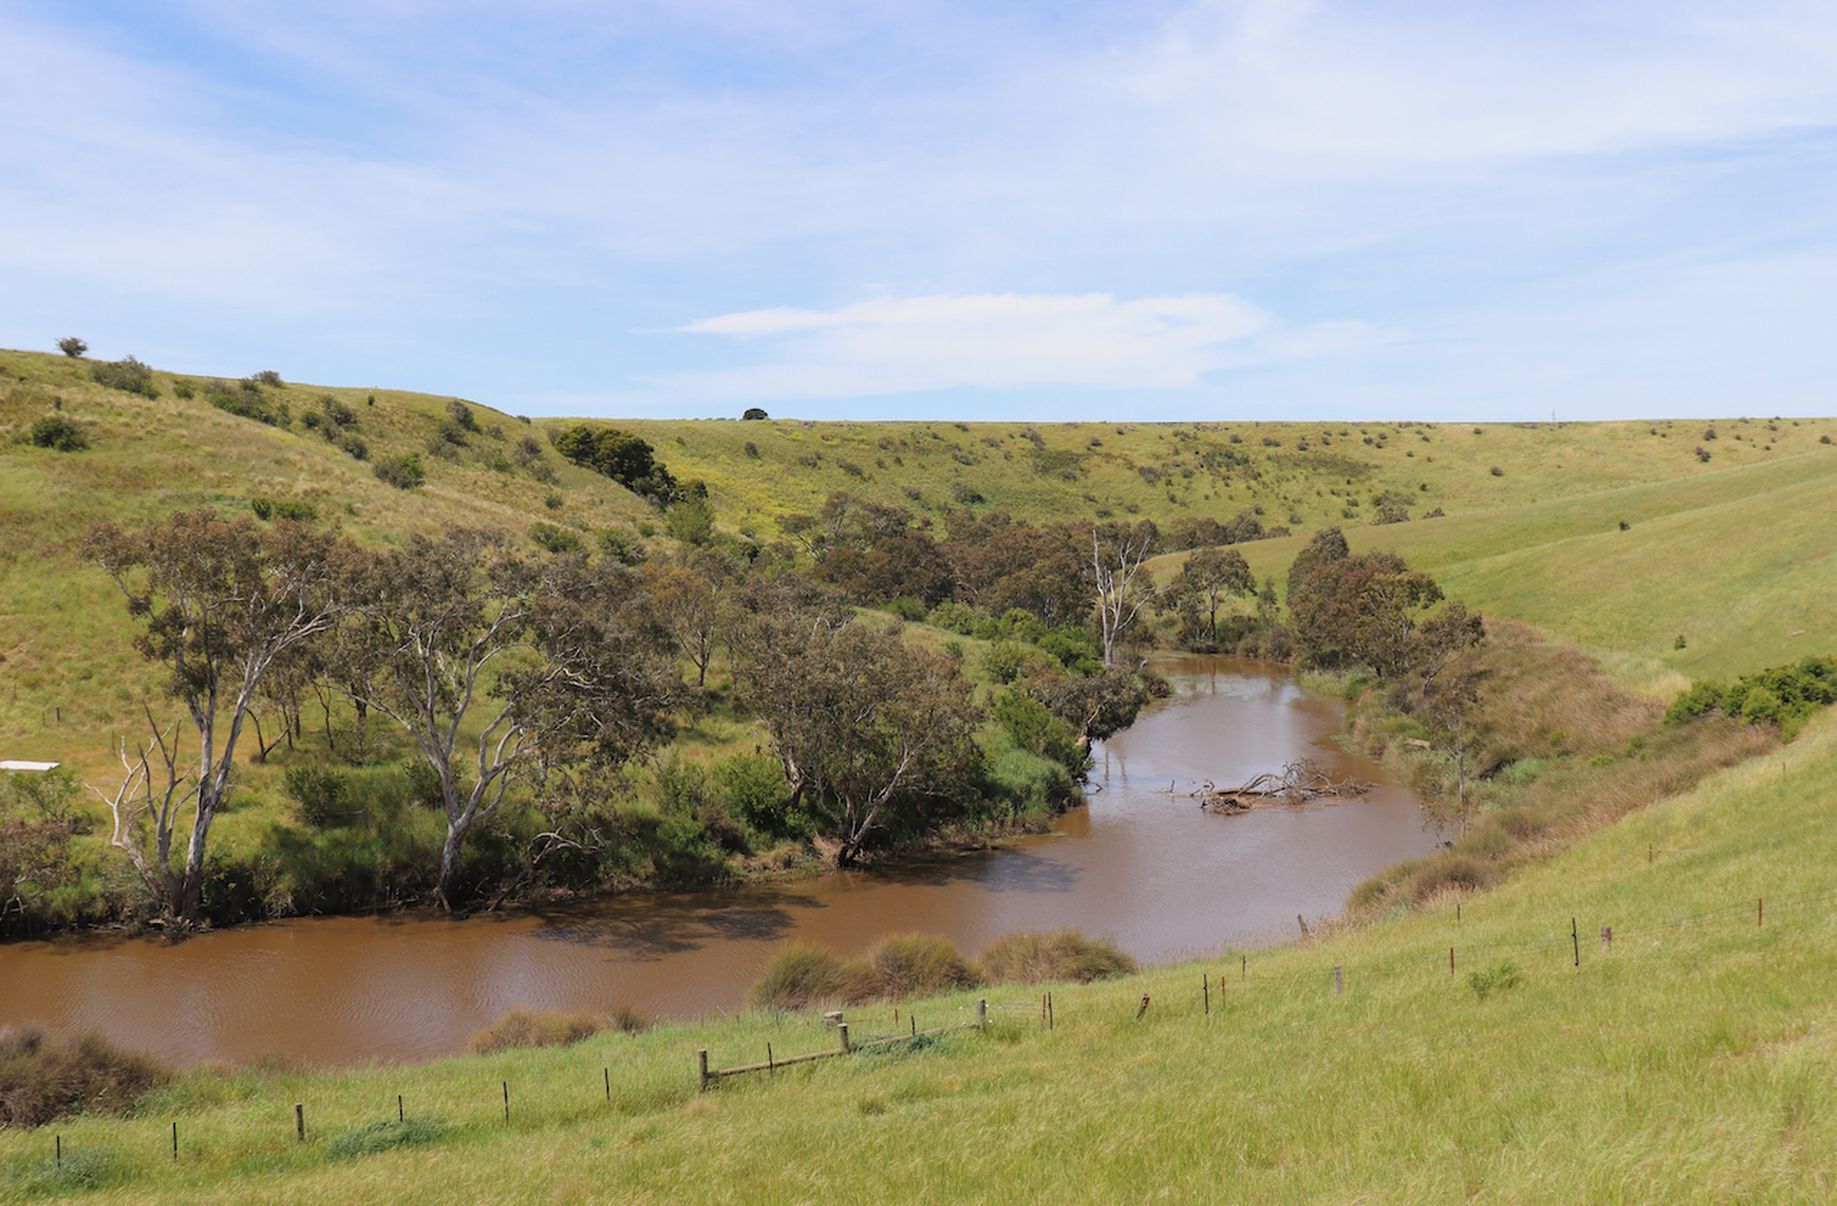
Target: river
(1138, 864)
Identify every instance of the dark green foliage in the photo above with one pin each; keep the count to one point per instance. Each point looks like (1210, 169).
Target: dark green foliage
(386, 1135)
(245, 400)
(752, 787)
(72, 347)
(1034, 727)
(462, 415)
(906, 607)
(755, 413)
(691, 518)
(621, 456)
(41, 1080)
(554, 538)
(1786, 696)
(181, 388)
(59, 433)
(267, 377)
(404, 471)
(284, 508)
(319, 795)
(354, 446)
(126, 374)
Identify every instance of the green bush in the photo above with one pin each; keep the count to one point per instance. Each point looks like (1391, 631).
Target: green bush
(1786, 696)
(126, 374)
(1034, 727)
(753, 787)
(953, 616)
(1035, 958)
(246, 401)
(1451, 871)
(403, 471)
(59, 433)
(461, 416)
(906, 607)
(554, 538)
(283, 508)
(318, 793)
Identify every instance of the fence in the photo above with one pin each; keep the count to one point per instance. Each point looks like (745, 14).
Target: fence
(1614, 941)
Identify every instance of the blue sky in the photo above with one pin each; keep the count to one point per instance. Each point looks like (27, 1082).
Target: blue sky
(1145, 210)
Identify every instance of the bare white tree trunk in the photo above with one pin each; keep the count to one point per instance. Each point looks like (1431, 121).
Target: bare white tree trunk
(1120, 588)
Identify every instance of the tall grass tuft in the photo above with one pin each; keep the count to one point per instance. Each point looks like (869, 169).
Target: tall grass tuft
(529, 1028)
(1035, 958)
(41, 1080)
(911, 965)
(801, 975)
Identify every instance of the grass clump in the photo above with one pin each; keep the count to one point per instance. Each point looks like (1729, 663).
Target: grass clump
(1035, 958)
(800, 976)
(1501, 977)
(58, 433)
(912, 965)
(523, 1028)
(384, 1136)
(41, 1080)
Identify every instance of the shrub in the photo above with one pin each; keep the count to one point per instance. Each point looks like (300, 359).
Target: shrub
(385, 1135)
(554, 538)
(956, 617)
(906, 607)
(40, 1081)
(753, 787)
(1035, 958)
(1034, 727)
(527, 1028)
(404, 472)
(72, 347)
(916, 965)
(462, 416)
(354, 446)
(450, 433)
(284, 508)
(755, 413)
(181, 388)
(799, 976)
(1496, 471)
(1450, 872)
(1501, 977)
(246, 401)
(57, 432)
(318, 793)
(1786, 696)
(691, 520)
(126, 374)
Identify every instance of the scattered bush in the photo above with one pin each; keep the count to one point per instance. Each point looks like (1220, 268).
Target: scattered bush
(386, 1135)
(41, 1080)
(283, 508)
(755, 413)
(59, 433)
(126, 374)
(462, 416)
(404, 472)
(182, 388)
(72, 347)
(318, 794)
(1785, 696)
(354, 446)
(554, 538)
(527, 1028)
(246, 401)
(267, 377)
(1496, 471)
(906, 607)
(916, 965)
(1034, 958)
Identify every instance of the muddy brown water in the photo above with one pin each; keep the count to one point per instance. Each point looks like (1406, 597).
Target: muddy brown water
(1138, 865)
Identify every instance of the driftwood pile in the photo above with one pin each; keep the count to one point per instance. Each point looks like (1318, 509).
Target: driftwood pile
(1297, 783)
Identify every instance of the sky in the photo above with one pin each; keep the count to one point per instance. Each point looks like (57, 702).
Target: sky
(1246, 209)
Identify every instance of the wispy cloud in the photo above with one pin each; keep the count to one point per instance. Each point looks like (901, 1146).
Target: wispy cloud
(1005, 341)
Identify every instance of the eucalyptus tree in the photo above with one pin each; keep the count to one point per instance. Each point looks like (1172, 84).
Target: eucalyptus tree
(504, 671)
(223, 602)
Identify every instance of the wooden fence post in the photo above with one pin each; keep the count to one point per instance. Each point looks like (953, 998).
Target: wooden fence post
(1760, 911)
(701, 1071)
(1575, 937)
(982, 1014)
(401, 1114)
(607, 1074)
(299, 1121)
(842, 1036)
(1049, 1016)
(1451, 961)
(506, 1101)
(1205, 986)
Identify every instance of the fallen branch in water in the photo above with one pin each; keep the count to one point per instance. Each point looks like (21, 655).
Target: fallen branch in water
(1297, 783)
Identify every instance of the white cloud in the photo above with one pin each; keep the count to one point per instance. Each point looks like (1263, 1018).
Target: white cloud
(1004, 341)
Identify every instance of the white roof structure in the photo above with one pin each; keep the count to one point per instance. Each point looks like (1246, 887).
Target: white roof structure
(16, 764)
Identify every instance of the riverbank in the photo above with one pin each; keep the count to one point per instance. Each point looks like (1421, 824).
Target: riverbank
(1690, 1059)
(1142, 868)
